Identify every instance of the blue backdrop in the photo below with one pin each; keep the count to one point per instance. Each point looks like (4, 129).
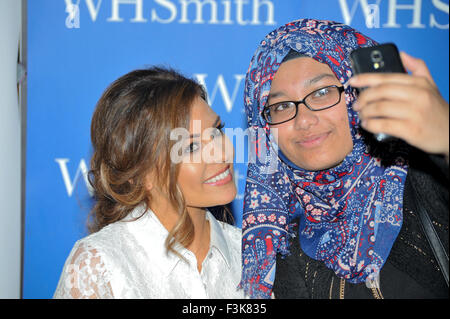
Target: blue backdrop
(73, 56)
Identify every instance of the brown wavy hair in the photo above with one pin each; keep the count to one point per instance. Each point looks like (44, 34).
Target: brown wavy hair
(130, 134)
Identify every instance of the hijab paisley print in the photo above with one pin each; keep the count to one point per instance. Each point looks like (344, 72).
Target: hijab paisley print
(349, 215)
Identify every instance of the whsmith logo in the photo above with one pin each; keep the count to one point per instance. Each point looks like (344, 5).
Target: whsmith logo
(377, 13)
(384, 13)
(224, 12)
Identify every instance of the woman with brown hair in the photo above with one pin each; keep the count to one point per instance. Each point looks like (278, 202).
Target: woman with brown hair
(160, 159)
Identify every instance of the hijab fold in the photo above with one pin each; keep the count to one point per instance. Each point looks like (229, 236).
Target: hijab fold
(349, 215)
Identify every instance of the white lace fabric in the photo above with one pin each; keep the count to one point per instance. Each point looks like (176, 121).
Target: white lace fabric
(128, 259)
(85, 276)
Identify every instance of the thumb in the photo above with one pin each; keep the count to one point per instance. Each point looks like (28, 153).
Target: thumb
(416, 66)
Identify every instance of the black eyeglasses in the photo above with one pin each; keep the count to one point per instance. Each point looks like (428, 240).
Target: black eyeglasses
(318, 100)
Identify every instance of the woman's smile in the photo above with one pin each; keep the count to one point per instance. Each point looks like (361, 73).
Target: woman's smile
(196, 179)
(222, 178)
(312, 141)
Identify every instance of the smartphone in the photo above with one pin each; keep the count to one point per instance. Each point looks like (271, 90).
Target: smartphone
(383, 58)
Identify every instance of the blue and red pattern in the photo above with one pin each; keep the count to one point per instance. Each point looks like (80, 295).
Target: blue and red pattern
(350, 215)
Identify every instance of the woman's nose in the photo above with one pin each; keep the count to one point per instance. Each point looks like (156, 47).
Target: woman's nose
(219, 150)
(305, 118)
(228, 150)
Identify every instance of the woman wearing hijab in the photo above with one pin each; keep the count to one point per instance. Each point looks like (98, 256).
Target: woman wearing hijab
(339, 216)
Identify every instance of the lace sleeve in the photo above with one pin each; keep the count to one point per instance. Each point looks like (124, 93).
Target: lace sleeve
(84, 276)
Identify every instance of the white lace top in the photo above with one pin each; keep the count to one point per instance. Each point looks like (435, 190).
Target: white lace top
(128, 259)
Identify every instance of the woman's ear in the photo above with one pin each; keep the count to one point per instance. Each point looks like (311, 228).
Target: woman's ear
(149, 182)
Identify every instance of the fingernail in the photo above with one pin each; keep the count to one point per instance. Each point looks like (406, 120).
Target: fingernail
(356, 106)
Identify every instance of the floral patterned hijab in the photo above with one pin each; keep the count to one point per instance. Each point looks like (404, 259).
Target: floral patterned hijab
(349, 215)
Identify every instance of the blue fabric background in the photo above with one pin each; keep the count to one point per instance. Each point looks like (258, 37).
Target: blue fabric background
(68, 69)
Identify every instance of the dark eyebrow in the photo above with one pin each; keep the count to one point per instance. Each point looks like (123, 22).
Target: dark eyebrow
(215, 124)
(275, 95)
(318, 78)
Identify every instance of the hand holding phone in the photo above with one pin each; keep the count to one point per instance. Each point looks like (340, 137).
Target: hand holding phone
(407, 106)
(383, 58)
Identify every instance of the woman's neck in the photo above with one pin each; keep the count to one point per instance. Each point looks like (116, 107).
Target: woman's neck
(168, 217)
(202, 238)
